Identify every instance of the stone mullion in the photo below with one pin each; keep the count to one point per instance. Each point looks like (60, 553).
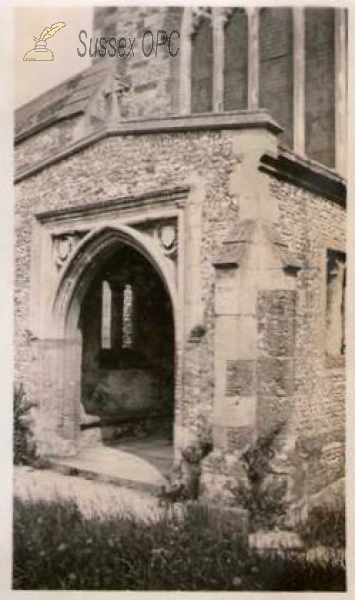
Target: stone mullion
(218, 58)
(253, 58)
(340, 91)
(298, 81)
(185, 63)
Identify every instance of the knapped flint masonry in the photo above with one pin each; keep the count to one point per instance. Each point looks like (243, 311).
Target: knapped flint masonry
(181, 243)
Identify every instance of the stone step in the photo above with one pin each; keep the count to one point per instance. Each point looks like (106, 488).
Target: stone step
(115, 466)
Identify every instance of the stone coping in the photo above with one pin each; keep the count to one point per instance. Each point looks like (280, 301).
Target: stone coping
(237, 120)
(285, 165)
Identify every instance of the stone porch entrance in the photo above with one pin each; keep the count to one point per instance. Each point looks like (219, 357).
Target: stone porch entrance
(127, 376)
(110, 365)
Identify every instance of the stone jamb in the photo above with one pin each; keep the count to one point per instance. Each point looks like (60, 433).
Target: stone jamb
(331, 361)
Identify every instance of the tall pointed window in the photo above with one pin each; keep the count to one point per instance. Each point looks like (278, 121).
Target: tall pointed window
(320, 84)
(202, 66)
(289, 61)
(276, 67)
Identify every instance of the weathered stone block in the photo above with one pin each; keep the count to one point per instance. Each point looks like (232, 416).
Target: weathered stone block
(239, 437)
(240, 379)
(272, 411)
(276, 323)
(275, 377)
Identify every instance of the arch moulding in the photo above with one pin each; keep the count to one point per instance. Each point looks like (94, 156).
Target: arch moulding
(85, 262)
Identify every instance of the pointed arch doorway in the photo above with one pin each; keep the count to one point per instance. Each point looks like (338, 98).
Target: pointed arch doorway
(115, 315)
(126, 322)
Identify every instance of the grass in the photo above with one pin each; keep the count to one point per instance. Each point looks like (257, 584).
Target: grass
(326, 526)
(57, 548)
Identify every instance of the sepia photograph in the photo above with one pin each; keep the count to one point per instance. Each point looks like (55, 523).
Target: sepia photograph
(180, 284)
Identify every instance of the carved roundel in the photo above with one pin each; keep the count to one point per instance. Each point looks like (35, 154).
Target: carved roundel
(64, 247)
(64, 244)
(167, 236)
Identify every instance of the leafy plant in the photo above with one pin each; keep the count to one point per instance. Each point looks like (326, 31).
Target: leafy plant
(185, 481)
(262, 494)
(24, 450)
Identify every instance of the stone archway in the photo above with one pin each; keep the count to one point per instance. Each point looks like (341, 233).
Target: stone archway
(69, 379)
(87, 257)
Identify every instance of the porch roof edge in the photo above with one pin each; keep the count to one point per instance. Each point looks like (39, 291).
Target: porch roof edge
(302, 172)
(235, 120)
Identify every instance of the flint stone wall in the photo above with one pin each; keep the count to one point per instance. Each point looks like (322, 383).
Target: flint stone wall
(308, 224)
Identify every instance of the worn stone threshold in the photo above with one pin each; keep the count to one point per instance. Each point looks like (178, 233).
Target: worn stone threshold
(139, 465)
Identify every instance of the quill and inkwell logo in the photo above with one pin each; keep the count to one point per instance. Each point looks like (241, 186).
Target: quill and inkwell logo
(40, 51)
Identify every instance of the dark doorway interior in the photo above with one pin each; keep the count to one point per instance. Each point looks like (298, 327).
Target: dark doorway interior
(128, 350)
